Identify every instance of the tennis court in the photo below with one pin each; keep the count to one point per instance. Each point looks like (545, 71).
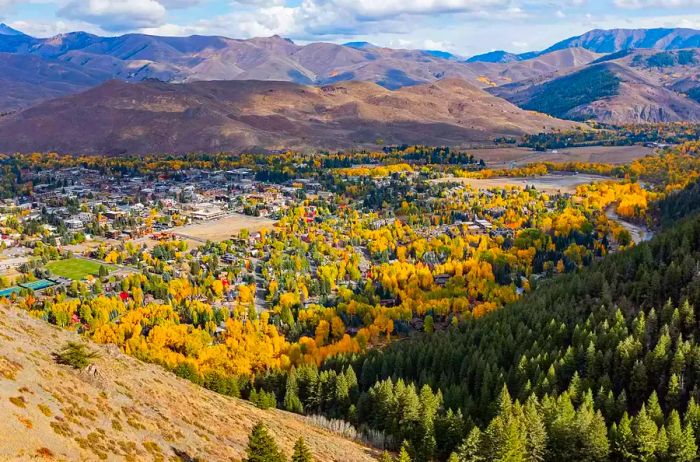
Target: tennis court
(9, 291)
(39, 284)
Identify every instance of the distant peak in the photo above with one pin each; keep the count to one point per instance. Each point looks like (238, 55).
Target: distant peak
(7, 30)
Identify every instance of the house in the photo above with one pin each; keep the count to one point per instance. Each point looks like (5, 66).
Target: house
(74, 223)
(441, 279)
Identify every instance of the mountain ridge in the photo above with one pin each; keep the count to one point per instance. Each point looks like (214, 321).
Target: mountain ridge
(148, 117)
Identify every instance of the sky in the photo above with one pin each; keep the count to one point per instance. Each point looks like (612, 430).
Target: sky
(464, 27)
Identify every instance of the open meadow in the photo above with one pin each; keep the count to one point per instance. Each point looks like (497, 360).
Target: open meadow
(617, 155)
(222, 228)
(548, 183)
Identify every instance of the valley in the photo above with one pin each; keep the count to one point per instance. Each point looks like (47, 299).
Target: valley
(299, 245)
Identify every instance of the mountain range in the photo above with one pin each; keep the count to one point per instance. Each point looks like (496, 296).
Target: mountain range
(149, 117)
(613, 76)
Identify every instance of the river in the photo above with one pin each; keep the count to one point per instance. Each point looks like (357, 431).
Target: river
(638, 233)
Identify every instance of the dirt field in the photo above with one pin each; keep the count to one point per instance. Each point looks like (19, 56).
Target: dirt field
(222, 229)
(502, 157)
(546, 183)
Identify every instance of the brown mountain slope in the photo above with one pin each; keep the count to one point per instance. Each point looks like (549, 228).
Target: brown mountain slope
(118, 117)
(609, 91)
(127, 410)
(544, 66)
(136, 57)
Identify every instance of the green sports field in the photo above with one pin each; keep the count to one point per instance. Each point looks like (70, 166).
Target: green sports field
(75, 268)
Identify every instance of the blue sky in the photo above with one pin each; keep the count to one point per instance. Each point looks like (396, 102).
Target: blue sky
(465, 27)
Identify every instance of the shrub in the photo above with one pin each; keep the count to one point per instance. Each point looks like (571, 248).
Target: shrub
(76, 355)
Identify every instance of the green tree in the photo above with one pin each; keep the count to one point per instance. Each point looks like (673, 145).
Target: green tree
(536, 439)
(470, 449)
(673, 395)
(623, 439)
(262, 447)
(429, 325)
(301, 452)
(292, 403)
(681, 442)
(654, 409)
(403, 453)
(645, 435)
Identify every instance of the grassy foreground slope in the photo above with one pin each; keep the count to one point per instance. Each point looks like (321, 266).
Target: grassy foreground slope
(125, 409)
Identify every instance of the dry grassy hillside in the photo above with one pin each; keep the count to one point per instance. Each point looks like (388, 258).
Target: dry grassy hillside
(122, 118)
(127, 410)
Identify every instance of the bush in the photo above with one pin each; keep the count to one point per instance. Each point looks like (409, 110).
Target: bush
(76, 355)
(263, 399)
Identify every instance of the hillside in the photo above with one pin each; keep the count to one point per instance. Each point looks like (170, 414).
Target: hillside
(613, 40)
(536, 68)
(126, 409)
(600, 361)
(136, 57)
(607, 91)
(118, 118)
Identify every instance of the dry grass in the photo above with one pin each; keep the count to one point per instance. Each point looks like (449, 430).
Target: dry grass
(546, 183)
(502, 157)
(133, 411)
(224, 228)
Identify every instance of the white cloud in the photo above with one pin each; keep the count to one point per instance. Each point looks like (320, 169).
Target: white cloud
(636, 4)
(174, 4)
(115, 15)
(51, 28)
(259, 3)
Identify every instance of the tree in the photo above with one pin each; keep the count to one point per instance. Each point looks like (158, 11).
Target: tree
(403, 453)
(292, 403)
(262, 447)
(76, 355)
(681, 442)
(645, 435)
(428, 325)
(536, 439)
(470, 449)
(301, 452)
(624, 439)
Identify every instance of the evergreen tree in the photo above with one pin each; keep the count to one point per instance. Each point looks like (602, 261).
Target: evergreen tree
(623, 441)
(645, 435)
(673, 394)
(692, 417)
(662, 444)
(404, 453)
(301, 452)
(681, 442)
(593, 442)
(428, 325)
(654, 409)
(536, 439)
(470, 450)
(262, 447)
(292, 403)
